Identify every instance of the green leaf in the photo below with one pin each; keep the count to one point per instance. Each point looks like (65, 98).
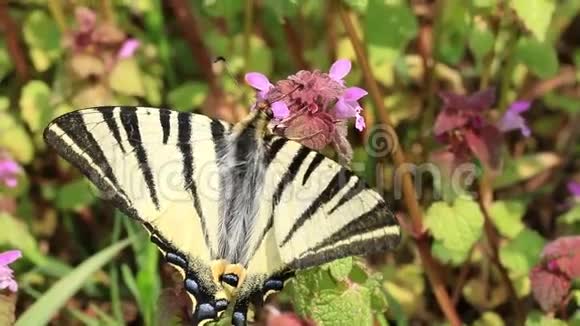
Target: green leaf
(481, 41)
(540, 57)
(35, 104)
(525, 167)
(351, 307)
(15, 139)
(41, 312)
(389, 28)
(74, 195)
(6, 65)
(507, 217)
(308, 284)
(187, 96)
(339, 269)
(126, 78)
(43, 38)
(522, 253)
(452, 31)
(448, 255)
(570, 217)
(536, 15)
(489, 319)
(458, 226)
(536, 318)
(358, 5)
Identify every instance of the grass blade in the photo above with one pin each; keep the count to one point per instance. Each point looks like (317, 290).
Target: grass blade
(56, 297)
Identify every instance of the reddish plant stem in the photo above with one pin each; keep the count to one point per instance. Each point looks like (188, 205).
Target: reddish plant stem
(331, 36)
(190, 30)
(430, 266)
(11, 33)
(485, 201)
(566, 76)
(295, 45)
(463, 274)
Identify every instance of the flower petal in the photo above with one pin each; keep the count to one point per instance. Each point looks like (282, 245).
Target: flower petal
(519, 106)
(486, 146)
(344, 109)
(574, 188)
(9, 167)
(360, 122)
(513, 120)
(339, 69)
(258, 81)
(128, 48)
(9, 257)
(354, 94)
(280, 110)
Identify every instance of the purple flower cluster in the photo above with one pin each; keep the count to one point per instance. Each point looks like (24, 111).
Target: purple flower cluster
(552, 278)
(100, 39)
(6, 274)
(463, 126)
(313, 106)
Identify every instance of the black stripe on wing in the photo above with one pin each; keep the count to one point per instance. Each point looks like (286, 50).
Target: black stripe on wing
(313, 165)
(73, 126)
(108, 117)
(164, 116)
(131, 126)
(285, 181)
(184, 144)
(377, 218)
(341, 179)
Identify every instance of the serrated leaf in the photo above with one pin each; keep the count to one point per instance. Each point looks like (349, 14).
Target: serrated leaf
(43, 38)
(525, 167)
(540, 58)
(458, 226)
(187, 96)
(35, 104)
(308, 284)
(507, 217)
(56, 297)
(351, 307)
(536, 15)
(15, 139)
(339, 269)
(126, 78)
(522, 253)
(74, 195)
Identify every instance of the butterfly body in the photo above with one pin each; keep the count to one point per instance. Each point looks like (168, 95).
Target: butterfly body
(234, 209)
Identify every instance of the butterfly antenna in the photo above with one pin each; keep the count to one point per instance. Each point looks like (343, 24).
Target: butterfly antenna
(220, 64)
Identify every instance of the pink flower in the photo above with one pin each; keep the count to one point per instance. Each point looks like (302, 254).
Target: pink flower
(6, 274)
(312, 106)
(263, 85)
(9, 171)
(347, 106)
(128, 48)
(513, 120)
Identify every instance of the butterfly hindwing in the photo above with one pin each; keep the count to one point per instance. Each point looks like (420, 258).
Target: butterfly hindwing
(154, 164)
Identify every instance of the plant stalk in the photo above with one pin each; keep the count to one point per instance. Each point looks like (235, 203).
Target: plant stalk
(432, 269)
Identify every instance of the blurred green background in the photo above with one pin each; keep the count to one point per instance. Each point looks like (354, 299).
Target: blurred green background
(474, 265)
